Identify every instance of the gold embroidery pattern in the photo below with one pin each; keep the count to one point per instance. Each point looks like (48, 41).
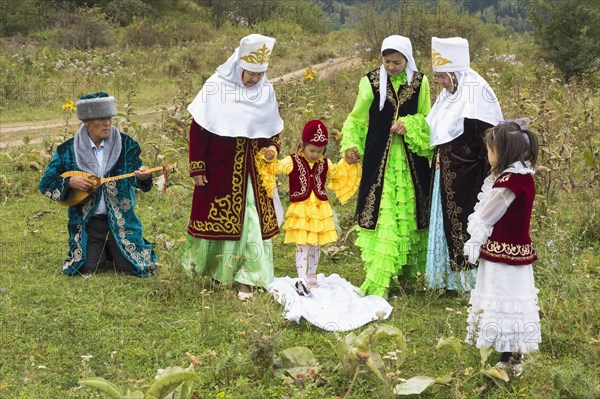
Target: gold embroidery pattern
(303, 176)
(260, 56)
(225, 212)
(391, 96)
(263, 201)
(453, 210)
(374, 77)
(408, 91)
(367, 217)
(437, 59)
(197, 166)
(276, 141)
(422, 211)
(515, 252)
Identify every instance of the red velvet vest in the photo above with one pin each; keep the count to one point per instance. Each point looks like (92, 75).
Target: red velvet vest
(510, 242)
(304, 179)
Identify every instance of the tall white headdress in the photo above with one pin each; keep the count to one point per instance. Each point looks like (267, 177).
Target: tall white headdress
(450, 54)
(254, 52)
(226, 107)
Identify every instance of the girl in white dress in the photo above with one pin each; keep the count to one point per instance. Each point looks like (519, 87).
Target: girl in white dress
(504, 311)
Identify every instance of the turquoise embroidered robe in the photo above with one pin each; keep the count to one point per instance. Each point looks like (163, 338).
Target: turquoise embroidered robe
(119, 196)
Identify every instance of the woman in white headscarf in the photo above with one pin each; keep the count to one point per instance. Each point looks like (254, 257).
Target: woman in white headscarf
(387, 131)
(463, 111)
(235, 115)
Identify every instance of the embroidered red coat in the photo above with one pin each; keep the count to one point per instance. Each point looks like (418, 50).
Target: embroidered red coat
(218, 207)
(510, 242)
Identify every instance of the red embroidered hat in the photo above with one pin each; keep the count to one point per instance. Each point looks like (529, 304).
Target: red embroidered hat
(315, 133)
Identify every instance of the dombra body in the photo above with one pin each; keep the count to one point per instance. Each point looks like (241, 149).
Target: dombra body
(77, 196)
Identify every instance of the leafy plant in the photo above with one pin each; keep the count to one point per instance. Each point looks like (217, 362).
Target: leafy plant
(419, 384)
(172, 383)
(567, 33)
(298, 365)
(358, 353)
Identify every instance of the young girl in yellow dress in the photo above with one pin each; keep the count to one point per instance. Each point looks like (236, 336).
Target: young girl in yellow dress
(309, 218)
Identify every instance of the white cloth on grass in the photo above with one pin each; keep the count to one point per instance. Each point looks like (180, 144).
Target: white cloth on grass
(332, 306)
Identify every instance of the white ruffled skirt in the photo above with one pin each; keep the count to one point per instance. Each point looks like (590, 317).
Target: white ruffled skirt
(504, 312)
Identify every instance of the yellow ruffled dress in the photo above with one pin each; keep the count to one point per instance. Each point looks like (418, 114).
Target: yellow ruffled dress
(310, 222)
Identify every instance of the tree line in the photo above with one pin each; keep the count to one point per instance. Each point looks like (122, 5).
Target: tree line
(565, 31)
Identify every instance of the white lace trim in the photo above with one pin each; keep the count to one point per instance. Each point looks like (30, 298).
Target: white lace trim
(477, 229)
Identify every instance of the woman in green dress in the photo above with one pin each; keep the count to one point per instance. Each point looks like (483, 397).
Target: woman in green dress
(388, 133)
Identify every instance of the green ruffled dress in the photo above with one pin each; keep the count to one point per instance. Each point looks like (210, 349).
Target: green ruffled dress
(395, 247)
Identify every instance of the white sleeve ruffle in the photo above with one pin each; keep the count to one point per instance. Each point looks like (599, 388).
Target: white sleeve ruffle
(491, 206)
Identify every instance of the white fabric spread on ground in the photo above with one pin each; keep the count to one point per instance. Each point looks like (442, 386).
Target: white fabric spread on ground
(333, 306)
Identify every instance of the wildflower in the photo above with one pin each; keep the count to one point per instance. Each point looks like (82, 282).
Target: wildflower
(309, 73)
(69, 106)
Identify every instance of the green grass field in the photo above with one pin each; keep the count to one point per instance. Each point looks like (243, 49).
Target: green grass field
(55, 330)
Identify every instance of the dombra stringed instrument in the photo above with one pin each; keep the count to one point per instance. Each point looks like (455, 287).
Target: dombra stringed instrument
(77, 196)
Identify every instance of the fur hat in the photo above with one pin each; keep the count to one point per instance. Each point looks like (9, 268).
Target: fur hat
(96, 106)
(450, 54)
(254, 52)
(315, 133)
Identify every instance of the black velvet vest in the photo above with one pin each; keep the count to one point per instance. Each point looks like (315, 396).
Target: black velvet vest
(377, 146)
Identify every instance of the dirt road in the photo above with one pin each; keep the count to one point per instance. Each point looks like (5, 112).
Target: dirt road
(14, 133)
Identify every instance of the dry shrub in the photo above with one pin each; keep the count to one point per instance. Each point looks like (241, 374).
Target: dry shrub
(124, 12)
(145, 33)
(420, 23)
(149, 33)
(89, 29)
